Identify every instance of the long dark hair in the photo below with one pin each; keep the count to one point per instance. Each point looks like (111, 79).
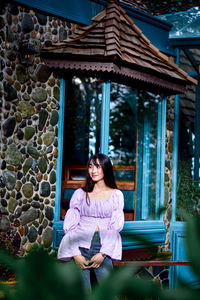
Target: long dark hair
(106, 165)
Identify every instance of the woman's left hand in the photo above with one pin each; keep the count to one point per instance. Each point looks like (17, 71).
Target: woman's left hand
(96, 260)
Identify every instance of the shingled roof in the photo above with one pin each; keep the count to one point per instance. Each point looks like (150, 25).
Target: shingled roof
(113, 44)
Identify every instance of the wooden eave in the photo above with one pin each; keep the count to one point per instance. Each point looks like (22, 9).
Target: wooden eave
(115, 45)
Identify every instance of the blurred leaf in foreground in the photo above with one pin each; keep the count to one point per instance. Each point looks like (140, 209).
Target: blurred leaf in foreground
(193, 243)
(40, 276)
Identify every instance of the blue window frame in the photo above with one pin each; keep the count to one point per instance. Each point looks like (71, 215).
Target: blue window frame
(154, 229)
(151, 162)
(105, 115)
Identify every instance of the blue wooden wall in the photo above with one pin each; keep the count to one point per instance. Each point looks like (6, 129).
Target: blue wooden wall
(180, 273)
(78, 11)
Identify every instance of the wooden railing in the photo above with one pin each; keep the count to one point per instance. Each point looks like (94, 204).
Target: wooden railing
(151, 263)
(69, 183)
(74, 183)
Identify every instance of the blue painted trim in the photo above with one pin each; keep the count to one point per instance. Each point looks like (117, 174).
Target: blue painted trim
(79, 11)
(60, 154)
(158, 159)
(176, 228)
(197, 133)
(186, 43)
(96, 8)
(58, 233)
(193, 74)
(175, 151)
(59, 224)
(175, 158)
(74, 10)
(105, 118)
(145, 175)
(162, 179)
(154, 231)
(177, 242)
(140, 15)
(139, 171)
(160, 163)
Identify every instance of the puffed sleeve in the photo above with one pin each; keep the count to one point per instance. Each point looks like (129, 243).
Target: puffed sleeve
(117, 218)
(72, 216)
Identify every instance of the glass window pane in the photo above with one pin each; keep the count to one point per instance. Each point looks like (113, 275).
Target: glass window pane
(133, 133)
(82, 120)
(148, 116)
(124, 175)
(122, 142)
(81, 136)
(134, 119)
(77, 175)
(123, 124)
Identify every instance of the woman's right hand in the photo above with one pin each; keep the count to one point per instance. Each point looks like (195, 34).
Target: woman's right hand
(81, 261)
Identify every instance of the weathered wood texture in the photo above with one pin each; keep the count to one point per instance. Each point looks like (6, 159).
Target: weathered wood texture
(114, 44)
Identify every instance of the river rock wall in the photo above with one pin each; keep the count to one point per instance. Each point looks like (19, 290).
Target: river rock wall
(29, 110)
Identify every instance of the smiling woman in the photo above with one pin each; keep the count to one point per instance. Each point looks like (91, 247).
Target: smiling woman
(93, 222)
(95, 171)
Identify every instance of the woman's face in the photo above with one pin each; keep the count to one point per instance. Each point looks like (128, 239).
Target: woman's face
(95, 170)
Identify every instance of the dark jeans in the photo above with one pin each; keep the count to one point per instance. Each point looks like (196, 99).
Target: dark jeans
(104, 268)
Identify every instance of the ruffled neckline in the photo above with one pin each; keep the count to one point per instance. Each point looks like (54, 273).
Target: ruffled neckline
(103, 199)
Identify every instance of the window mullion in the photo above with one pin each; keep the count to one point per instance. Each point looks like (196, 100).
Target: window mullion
(158, 160)
(105, 116)
(60, 150)
(160, 168)
(145, 176)
(162, 180)
(175, 151)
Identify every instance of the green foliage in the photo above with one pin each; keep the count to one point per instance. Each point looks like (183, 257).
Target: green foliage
(188, 191)
(10, 241)
(40, 276)
(193, 243)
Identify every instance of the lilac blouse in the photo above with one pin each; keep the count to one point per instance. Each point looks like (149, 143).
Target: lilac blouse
(81, 221)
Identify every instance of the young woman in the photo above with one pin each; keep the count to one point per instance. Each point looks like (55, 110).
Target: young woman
(93, 222)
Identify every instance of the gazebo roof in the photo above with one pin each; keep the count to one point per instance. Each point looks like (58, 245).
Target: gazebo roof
(113, 44)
